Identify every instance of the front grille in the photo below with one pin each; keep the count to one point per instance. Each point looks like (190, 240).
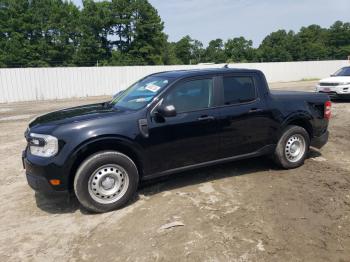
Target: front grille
(329, 93)
(329, 84)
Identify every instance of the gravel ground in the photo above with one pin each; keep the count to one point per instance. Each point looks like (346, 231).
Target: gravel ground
(242, 211)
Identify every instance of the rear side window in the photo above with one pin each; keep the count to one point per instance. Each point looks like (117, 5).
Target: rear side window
(239, 89)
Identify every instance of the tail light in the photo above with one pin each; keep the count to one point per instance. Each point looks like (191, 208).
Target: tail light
(327, 110)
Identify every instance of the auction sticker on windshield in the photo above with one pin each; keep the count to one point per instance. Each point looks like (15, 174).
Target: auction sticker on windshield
(153, 88)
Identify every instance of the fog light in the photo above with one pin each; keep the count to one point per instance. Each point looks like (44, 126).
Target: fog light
(55, 182)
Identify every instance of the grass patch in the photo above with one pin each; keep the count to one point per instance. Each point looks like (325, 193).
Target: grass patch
(309, 79)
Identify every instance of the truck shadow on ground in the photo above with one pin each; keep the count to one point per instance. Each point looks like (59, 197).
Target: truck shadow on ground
(212, 173)
(54, 204)
(206, 174)
(69, 204)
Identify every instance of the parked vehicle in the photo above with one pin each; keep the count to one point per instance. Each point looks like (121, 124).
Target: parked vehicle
(166, 123)
(337, 86)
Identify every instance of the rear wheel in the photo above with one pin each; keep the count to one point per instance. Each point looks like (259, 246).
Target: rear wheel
(106, 181)
(292, 148)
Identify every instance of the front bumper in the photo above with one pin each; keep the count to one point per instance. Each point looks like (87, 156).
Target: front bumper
(39, 172)
(41, 185)
(341, 91)
(319, 142)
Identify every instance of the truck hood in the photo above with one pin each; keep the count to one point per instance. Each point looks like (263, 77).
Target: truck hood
(336, 79)
(74, 114)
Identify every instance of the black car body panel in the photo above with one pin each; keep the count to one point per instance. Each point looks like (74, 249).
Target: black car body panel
(220, 133)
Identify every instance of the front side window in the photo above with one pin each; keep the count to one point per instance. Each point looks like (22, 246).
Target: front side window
(238, 89)
(141, 93)
(190, 96)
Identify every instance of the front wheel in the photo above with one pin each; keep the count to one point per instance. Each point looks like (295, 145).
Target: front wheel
(106, 181)
(292, 148)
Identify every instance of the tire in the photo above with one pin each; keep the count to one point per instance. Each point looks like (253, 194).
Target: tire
(106, 181)
(292, 147)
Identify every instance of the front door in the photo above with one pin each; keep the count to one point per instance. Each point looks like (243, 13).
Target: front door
(190, 137)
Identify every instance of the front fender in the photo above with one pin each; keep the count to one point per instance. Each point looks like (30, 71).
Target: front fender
(103, 143)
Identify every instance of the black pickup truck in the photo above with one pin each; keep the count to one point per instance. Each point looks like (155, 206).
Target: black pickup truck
(166, 123)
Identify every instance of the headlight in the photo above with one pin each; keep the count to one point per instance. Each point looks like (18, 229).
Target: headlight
(345, 83)
(43, 145)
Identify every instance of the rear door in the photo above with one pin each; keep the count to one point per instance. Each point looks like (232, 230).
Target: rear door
(244, 121)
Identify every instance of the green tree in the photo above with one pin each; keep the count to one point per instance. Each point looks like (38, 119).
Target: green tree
(312, 41)
(37, 32)
(215, 52)
(130, 32)
(148, 39)
(239, 50)
(169, 56)
(121, 28)
(197, 51)
(189, 51)
(276, 47)
(13, 30)
(183, 50)
(339, 40)
(93, 47)
(53, 36)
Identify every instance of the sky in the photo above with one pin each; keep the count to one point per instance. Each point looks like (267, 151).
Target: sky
(206, 20)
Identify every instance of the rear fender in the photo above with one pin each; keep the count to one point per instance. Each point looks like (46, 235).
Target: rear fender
(302, 119)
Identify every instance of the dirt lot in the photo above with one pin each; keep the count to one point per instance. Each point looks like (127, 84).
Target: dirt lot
(242, 211)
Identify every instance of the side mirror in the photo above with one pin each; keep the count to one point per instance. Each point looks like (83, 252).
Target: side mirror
(167, 111)
(332, 75)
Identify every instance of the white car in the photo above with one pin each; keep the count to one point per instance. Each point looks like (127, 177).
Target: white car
(338, 85)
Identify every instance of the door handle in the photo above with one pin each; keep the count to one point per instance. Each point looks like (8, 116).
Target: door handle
(255, 110)
(206, 118)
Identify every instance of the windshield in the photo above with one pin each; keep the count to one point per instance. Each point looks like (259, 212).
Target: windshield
(343, 72)
(141, 93)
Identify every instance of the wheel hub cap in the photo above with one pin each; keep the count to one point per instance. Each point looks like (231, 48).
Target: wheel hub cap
(108, 184)
(295, 148)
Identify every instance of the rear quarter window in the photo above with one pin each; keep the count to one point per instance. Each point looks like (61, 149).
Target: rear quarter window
(239, 89)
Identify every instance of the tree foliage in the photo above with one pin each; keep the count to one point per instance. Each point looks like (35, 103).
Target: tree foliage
(36, 33)
(58, 33)
(239, 50)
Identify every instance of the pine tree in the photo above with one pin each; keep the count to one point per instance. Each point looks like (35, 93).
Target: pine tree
(148, 40)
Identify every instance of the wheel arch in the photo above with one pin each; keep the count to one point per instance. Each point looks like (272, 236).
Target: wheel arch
(302, 120)
(104, 143)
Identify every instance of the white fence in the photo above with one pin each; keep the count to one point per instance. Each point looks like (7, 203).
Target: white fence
(31, 84)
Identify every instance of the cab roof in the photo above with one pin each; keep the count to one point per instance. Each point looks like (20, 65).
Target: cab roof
(202, 72)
